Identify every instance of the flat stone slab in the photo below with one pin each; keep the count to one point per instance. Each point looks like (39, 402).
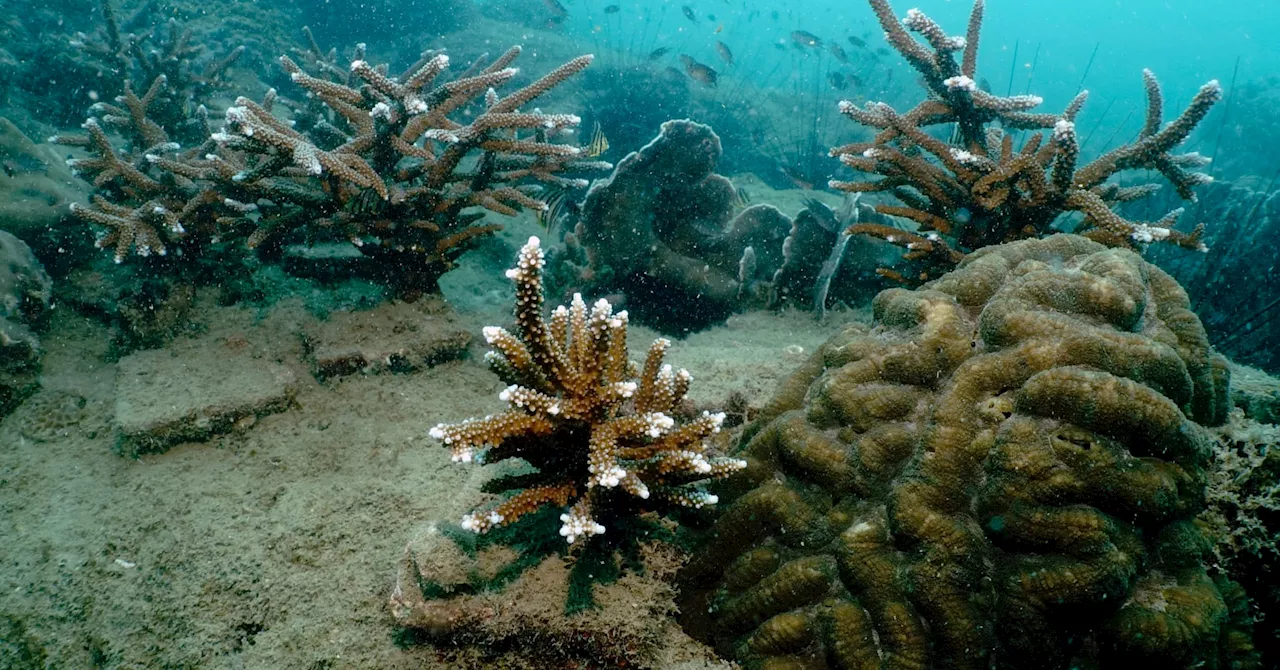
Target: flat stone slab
(392, 337)
(165, 396)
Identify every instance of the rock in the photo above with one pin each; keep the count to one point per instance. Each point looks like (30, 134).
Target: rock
(19, 365)
(662, 230)
(394, 336)
(1256, 393)
(191, 393)
(329, 261)
(493, 604)
(25, 289)
(36, 189)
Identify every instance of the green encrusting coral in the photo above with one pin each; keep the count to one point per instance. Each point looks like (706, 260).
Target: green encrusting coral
(1004, 472)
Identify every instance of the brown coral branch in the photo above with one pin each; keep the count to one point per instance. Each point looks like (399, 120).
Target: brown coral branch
(576, 415)
(1003, 193)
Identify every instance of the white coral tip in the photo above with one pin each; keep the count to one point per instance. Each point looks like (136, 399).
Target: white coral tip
(960, 82)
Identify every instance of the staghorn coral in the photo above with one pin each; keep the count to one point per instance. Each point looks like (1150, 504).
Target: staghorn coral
(979, 190)
(384, 163)
(578, 413)
(145, 48)
(1003, 473)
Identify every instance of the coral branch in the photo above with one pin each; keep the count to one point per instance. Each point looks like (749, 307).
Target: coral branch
(983, 191)
(578, 416)
(373, 158)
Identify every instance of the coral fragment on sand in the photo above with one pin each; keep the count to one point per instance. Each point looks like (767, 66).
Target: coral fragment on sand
(582, 417)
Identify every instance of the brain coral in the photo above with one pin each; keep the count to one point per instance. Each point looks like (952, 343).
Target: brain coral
(1002, 473)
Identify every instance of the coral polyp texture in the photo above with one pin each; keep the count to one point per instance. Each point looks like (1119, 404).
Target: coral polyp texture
(1004, 473)
(578, 413)
(978, 190)
(380, 160)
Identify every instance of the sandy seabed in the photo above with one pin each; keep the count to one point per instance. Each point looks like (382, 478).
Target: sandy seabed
(275, 545)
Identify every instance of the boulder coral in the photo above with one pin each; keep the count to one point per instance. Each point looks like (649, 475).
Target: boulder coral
(1003, 473)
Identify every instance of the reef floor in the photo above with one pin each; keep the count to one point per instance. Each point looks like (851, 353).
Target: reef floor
(274, 545)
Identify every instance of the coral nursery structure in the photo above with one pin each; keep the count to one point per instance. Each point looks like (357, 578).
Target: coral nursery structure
(1004, 473)
(979, 190)
(580, 416)
(375, 159)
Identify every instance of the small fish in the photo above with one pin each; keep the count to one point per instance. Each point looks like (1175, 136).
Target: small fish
(599, 143)
(795, 179)
(719, 28)
(612, 9)
(984, 85)
(779, 46)
(838, 52)
(699, 72)
(857, 42)
(725, 54)
(711, 18)
(837, 80)
(556, 8)
(806, 38)
(822, 215)
(688, 13)
(659, 53)
(775, 15)
(883, 51)
(559, 205)
(740, 197)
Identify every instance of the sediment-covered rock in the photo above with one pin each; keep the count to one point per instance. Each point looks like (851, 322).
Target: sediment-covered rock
(193, 392)
(394, 337)
(25, 290)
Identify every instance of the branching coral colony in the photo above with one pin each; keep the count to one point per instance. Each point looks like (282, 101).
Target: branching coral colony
(578, 414)
(979, 190)
(381, 162)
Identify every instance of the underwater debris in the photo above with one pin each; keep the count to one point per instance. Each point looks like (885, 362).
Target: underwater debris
(382, 162)
(583, 418)
(981, 190)
(1004, 473)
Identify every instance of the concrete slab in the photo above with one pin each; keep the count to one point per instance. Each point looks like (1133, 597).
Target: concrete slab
(166, 396)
